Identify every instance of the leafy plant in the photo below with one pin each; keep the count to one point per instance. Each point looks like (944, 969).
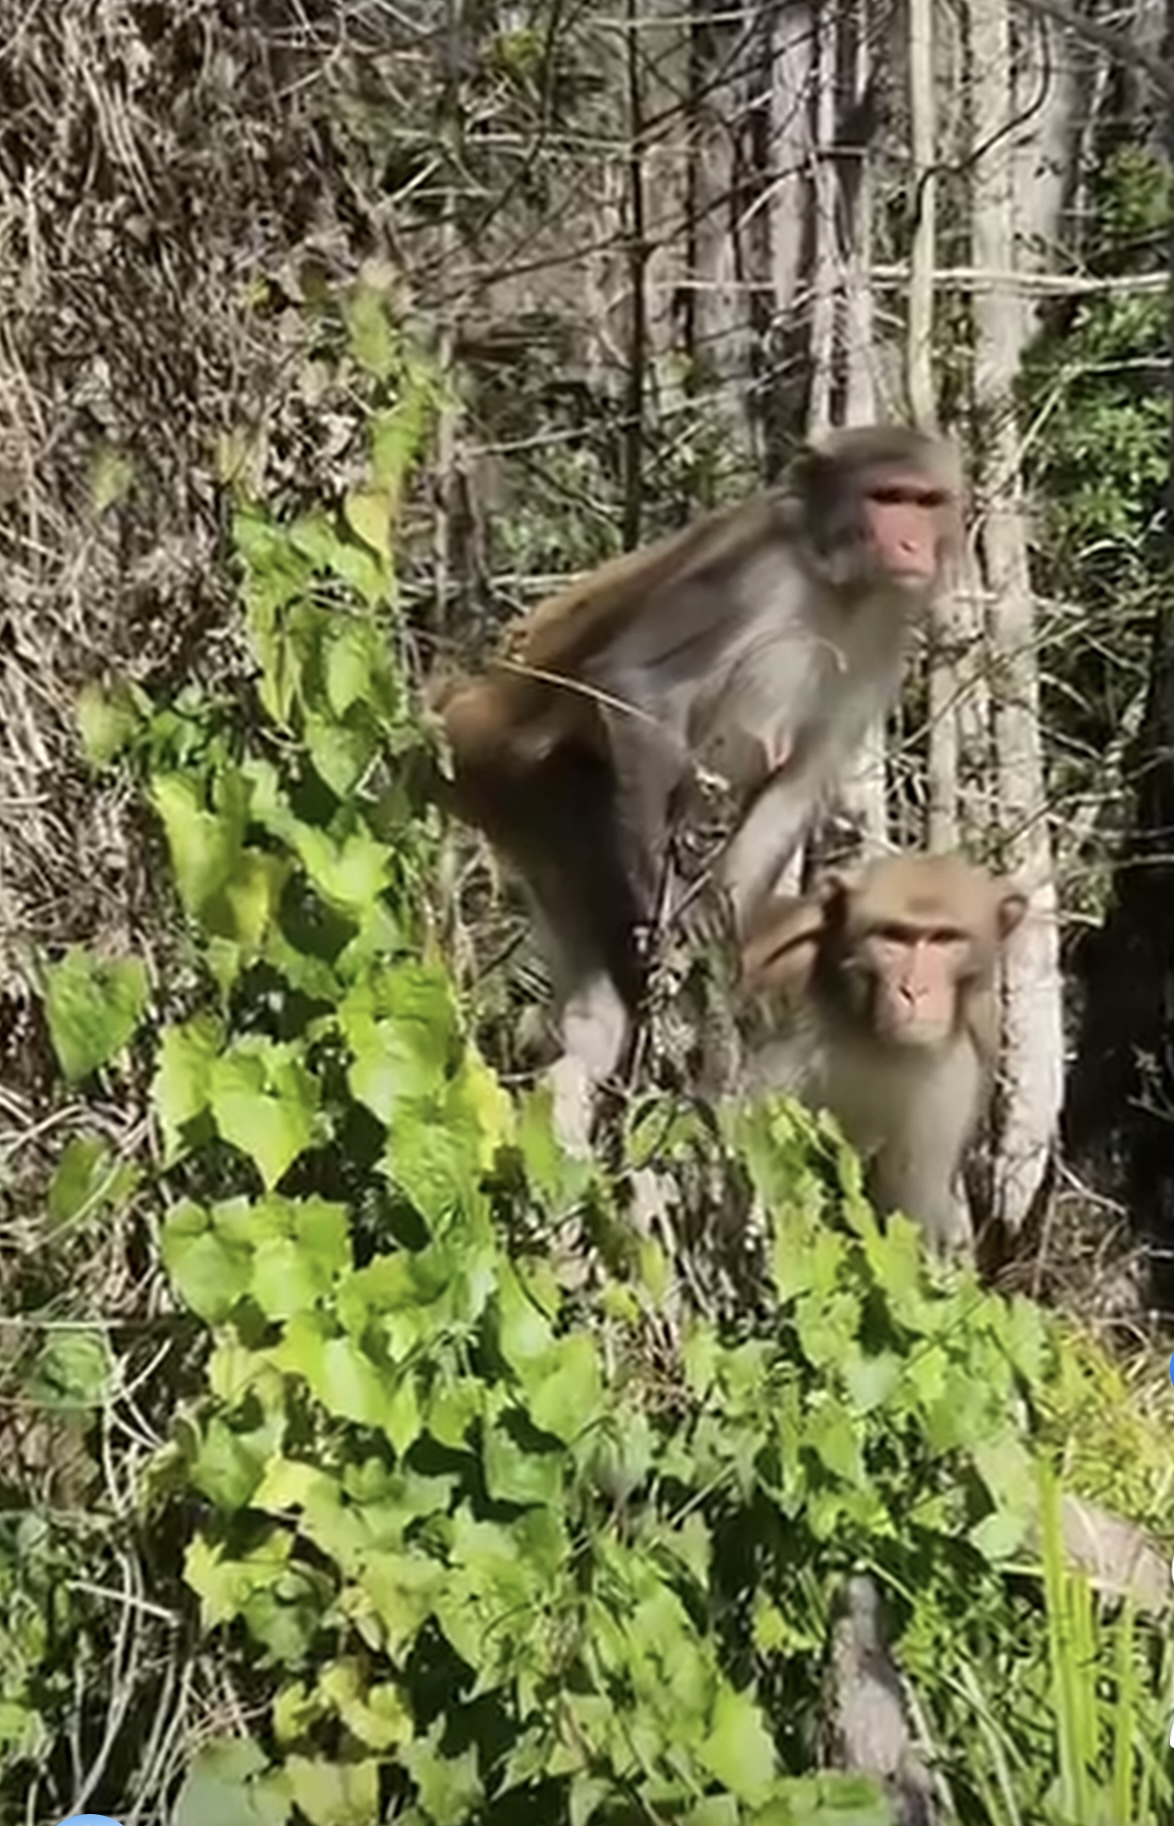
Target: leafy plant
(467, 1540)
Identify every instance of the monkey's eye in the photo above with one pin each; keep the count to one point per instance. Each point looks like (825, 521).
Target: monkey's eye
(906, 494)
(893, 933)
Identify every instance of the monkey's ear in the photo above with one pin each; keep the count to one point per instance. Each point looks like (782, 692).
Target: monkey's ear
(832, 886)
(780, 949)
(1012, 908)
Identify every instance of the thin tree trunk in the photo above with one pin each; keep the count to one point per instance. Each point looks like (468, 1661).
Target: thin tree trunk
(825, 275)
(1032, 1079)
(637, 260)
(864, 789)
(942, 821)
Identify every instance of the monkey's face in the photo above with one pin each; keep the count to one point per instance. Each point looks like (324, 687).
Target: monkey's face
(906, 526)
(904, 982)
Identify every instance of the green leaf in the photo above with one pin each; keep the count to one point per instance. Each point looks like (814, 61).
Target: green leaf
(73, 1369)
(369, 514)
(229, 1783)
(335, 1794)
(1000, 1535)
(566, 1397)
(871, 1381)
(227, 1467)
(377, 1715)
(93, 1006)
(210, 1272)
(449, 1786)
(182, 1086)
(738, 1750)
(350, 660)
(89, 1179)
(297, 1262)
(349, 874)
(403, 1589)
(204, 845)
(515, 1472)
(225, 1586)
(373, 340)
(344, 1379)
(108, 720)
(112, 474)
(266, 1103)
(340, 755)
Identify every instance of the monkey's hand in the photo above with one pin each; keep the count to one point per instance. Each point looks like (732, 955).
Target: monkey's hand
(705, 916)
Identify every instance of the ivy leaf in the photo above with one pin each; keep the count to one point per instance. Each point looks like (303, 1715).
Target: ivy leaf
(204, 845)
(565, 1396)
(229, 1783)
(349, 663)
(227, 1467)
(266, 1103)
(738, 1750)
(450, 1787)
(376, 1714)
(369, 514)
(89, 1178)
(349, 874)
(182, 1086)
(1000, 1535)
(517, 1472)
(403, 1589)
(343, 1378)
(373, 341)
(72, 1370)
(210, 1272)
(340, 754)
(870, 1381)
(334, 1794)
(108, 719)
(93, 1005)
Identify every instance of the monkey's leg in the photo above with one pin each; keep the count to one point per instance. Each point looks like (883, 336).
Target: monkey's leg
(588, 919)
(918, 1177)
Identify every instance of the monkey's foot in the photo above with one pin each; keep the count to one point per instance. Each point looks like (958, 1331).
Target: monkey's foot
(571, 1094)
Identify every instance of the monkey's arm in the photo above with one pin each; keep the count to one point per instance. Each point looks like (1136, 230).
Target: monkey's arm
(769, 834)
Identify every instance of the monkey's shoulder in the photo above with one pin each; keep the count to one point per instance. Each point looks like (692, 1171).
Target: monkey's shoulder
(590, 613)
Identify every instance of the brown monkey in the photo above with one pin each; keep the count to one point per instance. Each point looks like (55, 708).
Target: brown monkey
(759, 643)
(885, 980)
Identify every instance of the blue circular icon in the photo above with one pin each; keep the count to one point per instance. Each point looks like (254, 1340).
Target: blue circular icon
(89, 1819)
(1172, 1369)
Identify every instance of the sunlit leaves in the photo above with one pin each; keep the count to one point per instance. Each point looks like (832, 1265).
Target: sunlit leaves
(229, 1783)
(93, 1006)
(266, 1102)
(89, 1181)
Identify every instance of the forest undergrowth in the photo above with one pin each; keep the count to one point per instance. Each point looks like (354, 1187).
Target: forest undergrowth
(395, 1474)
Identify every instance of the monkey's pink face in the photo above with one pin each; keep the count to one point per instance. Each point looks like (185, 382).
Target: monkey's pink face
(913, 980)
(908, 528)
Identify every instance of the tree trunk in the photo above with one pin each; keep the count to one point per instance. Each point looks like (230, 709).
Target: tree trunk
(1032, 1078)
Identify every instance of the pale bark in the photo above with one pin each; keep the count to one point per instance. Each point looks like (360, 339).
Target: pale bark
(942, 814)
(1032, 1066)
(721, 350)
(825, 278)
(863, 791)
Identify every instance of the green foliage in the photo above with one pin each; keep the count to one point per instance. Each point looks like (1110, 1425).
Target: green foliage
(473, 1543)
(1095, 394)
(93, 1006)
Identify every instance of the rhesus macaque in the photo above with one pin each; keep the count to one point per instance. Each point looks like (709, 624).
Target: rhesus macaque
(884, 984)
(760, 644)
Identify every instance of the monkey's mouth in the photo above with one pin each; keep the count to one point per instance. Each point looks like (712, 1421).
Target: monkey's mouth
(913, 1035)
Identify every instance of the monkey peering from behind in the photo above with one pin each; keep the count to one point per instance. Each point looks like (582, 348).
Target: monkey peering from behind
(759, 643)
(877, 990)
